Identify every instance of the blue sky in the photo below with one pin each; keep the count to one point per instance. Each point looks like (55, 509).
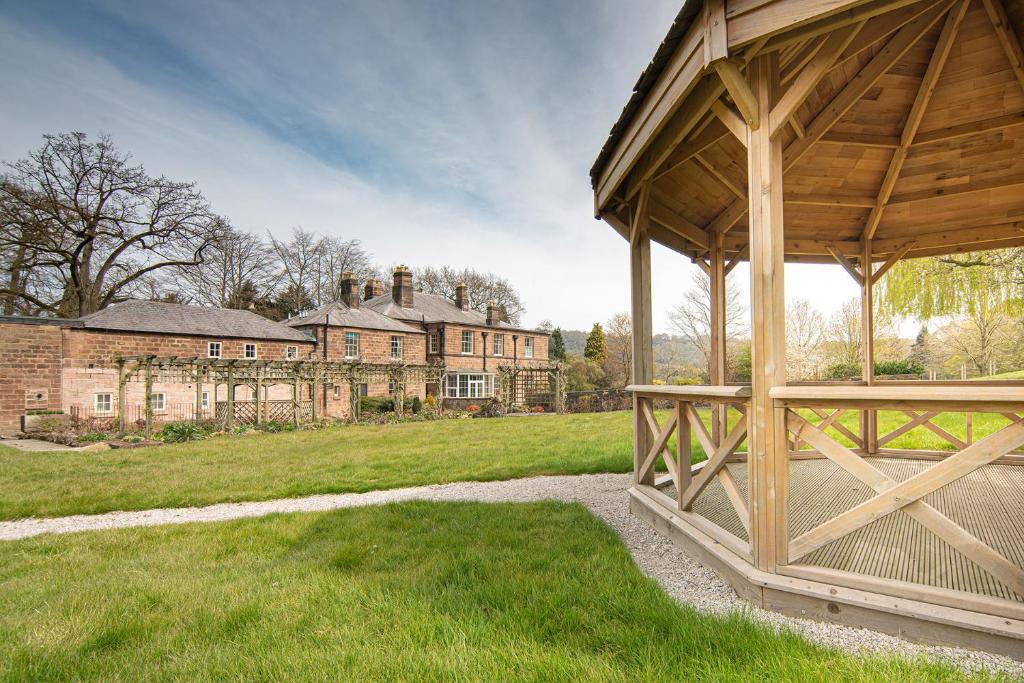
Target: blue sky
(435, 132)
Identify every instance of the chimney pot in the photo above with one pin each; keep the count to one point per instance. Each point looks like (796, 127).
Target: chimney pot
(462, 296)
(372, 289)
(401, 289)
(493, 313)
(350, 289)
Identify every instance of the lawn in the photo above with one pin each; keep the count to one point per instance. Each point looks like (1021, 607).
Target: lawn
(350, 459)
(416, 591)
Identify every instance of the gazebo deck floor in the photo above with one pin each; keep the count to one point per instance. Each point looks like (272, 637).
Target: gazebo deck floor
(895, 547)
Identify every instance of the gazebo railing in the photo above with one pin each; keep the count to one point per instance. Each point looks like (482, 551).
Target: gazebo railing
(689, 482)
(971, 554)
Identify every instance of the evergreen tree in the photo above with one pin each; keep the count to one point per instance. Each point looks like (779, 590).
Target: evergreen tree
(597, 346)
(557, 350)
(920, 351)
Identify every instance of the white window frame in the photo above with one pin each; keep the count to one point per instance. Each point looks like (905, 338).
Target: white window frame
(499, 344)
(471, 385)
(245, 351)
(397, 347)
(467, 336)
(432, 342)
(162, 407)
(291, 353)
(211, 347)
(527, 347)
(96, 409)
(354, 337)
(204, 400)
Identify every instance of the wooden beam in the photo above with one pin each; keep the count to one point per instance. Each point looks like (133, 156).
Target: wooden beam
(965, 129)
(847, 265)
(867, 321)
(716, 37)
(1007, 38)
(710, 133)
(736, 85)
(862, 139)
(880, 27)
(724, 180)
(894, 50)
(940, 53)
(661, 214)
(642, 341)
(717, 360)
(811, 75)
(732, 121)
(740, 255)
(767, 439)
(728, 218)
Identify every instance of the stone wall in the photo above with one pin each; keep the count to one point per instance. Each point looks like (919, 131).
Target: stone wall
(30, 377)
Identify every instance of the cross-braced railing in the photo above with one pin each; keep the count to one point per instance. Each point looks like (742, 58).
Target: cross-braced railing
(689, 481)
(972, 519)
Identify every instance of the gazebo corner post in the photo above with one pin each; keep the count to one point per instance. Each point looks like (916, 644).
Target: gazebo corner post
(643, 335)
(869, 418)
(716, 371)
(768, 459)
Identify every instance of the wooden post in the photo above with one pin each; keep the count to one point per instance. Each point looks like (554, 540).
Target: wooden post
(559, 391)
(199, 394)
(769, 459)
(683, 452)
(122, 397)
(295, 403)
(259, 394)
(869, 419)
(353, 392)
(229, 419)
(716, 372)
(312, 397)
(643, 335)
(148, 406)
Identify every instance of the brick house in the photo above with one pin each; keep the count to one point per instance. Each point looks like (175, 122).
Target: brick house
(470, 344)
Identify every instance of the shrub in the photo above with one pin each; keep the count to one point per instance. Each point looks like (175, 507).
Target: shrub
(275, 426)
(43, 411)
(94, 436)
(376, 404)
(474, 408)
(899, 367)
(538, 409)
(180, 432)
(843, 371)
(430, 403)
(416, 404)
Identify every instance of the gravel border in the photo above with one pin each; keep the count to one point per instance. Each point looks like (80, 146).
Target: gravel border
(605, 496)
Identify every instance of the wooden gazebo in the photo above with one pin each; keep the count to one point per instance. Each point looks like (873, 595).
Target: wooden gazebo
(859, 133)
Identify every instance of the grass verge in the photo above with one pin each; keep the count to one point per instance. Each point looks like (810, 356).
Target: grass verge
(415, 591)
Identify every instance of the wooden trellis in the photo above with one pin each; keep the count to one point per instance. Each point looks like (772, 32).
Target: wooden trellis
(531, 386)
(264, 373)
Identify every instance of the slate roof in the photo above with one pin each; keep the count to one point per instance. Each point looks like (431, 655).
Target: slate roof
(165, 318)
(340, 315)
(434, 308)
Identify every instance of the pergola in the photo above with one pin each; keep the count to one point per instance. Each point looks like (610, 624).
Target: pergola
(822, 131)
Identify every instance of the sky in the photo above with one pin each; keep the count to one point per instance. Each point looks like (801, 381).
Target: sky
(440, 132)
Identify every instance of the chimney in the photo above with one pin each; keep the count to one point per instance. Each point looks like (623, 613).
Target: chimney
(349, 289)
(401, 290)
(372, 289)
(461, 296)
(493, 313)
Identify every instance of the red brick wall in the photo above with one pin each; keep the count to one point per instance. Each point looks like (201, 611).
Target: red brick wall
(454, 359)
(30, 360)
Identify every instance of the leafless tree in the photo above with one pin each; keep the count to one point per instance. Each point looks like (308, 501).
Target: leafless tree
(335, 257)
(844, 336)
(83, 228)
(692, 319)
(298, 259)
(805, 337)
(237, 270)
(481, 287)
(618, 366)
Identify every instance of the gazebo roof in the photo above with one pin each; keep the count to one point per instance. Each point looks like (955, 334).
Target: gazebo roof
(906, 128)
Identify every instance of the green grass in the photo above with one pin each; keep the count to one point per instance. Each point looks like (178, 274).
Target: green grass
(416, 591)
(352, 459)
(1015, 374)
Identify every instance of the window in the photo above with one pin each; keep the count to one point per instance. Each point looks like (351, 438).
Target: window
(527, 347)
(499, 345)
(364, 390)
(392, 388)
(468, 385)
(103, 404)
(205, 402)
(213, 350)
(158, 402)
(337, 391)
(467, 342)
(396, 348)
(351, 345)
(250, 351)
(291, 353)
(432, 340)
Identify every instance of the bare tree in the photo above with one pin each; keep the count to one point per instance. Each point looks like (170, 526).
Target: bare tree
(84, 229)
(298, 259)
(805, 338)
(844, 336)
(692, 319)
(981, 339)
(334, 258)
(481, 287)
(238, 270)
(618, 366)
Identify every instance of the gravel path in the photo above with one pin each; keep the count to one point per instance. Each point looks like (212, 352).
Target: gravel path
(605, 495)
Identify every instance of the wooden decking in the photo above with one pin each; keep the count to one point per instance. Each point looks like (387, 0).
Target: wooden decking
(987, 503)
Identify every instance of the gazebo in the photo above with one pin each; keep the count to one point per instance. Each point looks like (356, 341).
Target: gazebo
(860, 133)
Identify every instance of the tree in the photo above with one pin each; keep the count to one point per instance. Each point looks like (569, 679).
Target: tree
(482, 288)
(557, 345)
(982, 338)
(844, 337)
(805, 337)
(597, 346)
(298, 259)
(334, 258)
(82, 228)
(239, 271)
(582, 374)
(692, 319)
(618, 367)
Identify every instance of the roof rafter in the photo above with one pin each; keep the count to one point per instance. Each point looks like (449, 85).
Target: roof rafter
(1007, 38)
(943, 46)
